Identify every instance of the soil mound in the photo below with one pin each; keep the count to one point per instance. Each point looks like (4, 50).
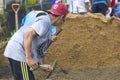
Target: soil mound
(86, 41)
(90, 40)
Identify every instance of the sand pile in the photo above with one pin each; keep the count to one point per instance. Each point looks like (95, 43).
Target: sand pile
(90, 40)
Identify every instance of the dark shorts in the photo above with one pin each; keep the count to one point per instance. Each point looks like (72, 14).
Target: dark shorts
(20, 70)
(99, 8)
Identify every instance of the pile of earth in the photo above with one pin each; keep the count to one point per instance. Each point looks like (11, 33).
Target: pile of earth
(90, 40)
(86, 49)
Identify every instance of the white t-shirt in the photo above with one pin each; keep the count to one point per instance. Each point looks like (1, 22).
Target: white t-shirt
(79, 6)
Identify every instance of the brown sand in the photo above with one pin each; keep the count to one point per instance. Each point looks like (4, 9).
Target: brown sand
(88, 48)
(90, 40)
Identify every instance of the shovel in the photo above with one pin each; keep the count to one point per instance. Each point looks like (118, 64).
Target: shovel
(16, 8)
(53, 68)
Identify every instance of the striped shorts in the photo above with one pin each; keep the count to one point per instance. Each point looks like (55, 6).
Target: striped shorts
(20, 70)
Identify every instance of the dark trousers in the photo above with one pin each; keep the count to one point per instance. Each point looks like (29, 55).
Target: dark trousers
(20, 70)
(99, 8)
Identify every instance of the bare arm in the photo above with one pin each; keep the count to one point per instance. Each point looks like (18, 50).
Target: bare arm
(87, 6)
(28, 37)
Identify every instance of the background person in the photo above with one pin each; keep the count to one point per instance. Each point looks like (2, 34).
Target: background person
(69, 4)
(81, 6)
(116, 11)
(110, 9)
(32, 15)
(100, 6)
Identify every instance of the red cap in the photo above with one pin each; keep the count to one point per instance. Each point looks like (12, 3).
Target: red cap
(59, 9)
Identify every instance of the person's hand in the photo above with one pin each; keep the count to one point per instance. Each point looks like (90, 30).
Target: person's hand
(108, 10)
(31, 63)
(46, 67)
(53, 38)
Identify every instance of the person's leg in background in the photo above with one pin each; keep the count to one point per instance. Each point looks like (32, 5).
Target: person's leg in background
(95, 8)
(102, 8)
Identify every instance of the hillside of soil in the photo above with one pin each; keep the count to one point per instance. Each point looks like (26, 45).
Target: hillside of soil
(90, 40)
(88, 48)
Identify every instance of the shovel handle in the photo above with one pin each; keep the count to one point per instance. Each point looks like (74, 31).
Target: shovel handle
(15, 7)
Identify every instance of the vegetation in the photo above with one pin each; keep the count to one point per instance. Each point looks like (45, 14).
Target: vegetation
(7, 29)
(32, 2)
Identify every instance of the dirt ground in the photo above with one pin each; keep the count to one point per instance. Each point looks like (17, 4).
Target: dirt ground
(86, 49)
